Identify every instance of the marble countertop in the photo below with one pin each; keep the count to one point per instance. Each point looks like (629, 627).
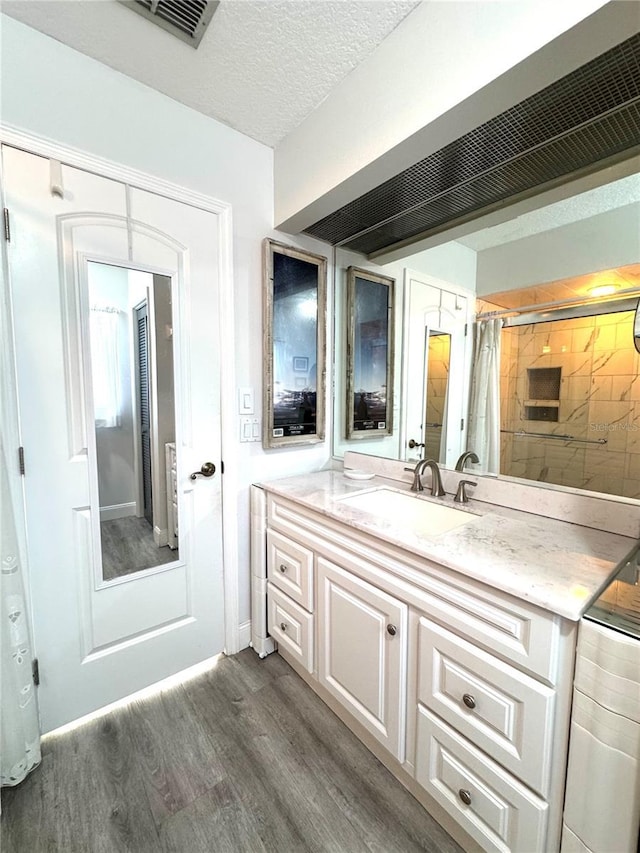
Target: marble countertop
(555, 565)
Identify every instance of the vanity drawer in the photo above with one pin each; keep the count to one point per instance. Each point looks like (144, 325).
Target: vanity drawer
(291, 626)
(487, 802)
(519, 632)
(290, 568)
(500, 709)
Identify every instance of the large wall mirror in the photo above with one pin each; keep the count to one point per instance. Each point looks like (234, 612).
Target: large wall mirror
(130, 326)
(564, 281)
(294, 313)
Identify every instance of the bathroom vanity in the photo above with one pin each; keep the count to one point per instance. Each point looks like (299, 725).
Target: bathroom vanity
(450, 654)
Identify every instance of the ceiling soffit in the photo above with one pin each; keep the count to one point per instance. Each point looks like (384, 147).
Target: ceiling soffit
(582, 121)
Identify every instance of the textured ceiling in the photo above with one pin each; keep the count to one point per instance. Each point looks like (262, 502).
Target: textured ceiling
(582, 206)
(262, 66)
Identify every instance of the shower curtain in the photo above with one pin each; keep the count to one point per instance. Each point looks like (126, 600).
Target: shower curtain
(19, 728)
(484, 410)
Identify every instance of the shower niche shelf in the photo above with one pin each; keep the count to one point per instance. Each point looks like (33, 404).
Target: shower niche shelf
(544, 394)
(542, 410)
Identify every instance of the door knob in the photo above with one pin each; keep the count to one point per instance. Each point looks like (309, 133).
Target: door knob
(207, 470)
(413, 443)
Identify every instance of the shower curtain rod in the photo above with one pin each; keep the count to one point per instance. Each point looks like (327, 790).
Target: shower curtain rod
(577, 302)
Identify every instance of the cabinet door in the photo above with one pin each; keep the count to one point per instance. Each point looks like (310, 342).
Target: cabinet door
(362, 643)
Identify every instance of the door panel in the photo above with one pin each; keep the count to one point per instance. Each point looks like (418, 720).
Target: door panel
(100, 641)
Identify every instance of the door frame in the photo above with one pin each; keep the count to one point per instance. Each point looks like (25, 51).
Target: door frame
(44, 147)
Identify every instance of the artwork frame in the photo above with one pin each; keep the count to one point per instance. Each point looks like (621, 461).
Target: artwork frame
(294, 345)
(369, 354)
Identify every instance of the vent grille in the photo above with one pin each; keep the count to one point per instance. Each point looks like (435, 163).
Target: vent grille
(591, 115)
(186, 19)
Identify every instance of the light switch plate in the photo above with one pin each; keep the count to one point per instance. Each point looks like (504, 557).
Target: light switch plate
(250, 429)
(245, 401)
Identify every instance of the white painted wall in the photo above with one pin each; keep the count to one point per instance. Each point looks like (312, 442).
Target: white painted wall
(57, 93)
(603, 242)
(401, 103)
(450, 262)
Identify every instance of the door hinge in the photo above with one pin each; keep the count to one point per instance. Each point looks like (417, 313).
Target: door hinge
(466, 328)
(35, 671)
(461, 423)
(21, 460)
(222, 466)
(7, 226)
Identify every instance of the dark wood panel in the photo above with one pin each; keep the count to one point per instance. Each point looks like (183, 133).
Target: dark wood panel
(243, 758)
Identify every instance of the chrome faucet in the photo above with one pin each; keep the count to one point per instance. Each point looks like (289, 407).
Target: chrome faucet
(437, 489)
(469, 456)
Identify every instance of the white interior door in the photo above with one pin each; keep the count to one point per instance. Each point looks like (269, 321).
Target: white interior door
(99, 639)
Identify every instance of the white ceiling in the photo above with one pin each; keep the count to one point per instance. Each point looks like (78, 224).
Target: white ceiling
(261, 67)
(610, 196)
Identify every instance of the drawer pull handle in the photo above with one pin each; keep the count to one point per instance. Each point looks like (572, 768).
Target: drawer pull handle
(283, 568)
(465, 796)
(469, 700)
(392, 630)
(283, 626)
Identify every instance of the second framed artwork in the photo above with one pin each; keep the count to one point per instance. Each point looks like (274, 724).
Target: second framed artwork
(370, 346)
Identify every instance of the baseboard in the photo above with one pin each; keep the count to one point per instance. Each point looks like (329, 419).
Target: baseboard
(160, 537)
(111, 513)
(244, 635)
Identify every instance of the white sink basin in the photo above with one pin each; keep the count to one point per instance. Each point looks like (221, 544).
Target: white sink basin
(409, 511)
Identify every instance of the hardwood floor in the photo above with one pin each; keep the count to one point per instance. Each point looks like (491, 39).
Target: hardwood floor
(242, 758)
(128, 546)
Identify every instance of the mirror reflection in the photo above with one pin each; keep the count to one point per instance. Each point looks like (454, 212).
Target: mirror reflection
(369, 353)
(570, 395)
(562, 283)
(636, 328)
(131, 344)
(438, 354)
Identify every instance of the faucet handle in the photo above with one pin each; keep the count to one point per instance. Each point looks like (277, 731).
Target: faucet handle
(461, 495)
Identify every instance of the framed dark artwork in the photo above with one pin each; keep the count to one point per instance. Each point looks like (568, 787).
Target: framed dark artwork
(294, 319)
(370, 346)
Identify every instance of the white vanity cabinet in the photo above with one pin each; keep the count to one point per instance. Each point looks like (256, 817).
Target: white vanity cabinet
(362, 652)
(462, 691)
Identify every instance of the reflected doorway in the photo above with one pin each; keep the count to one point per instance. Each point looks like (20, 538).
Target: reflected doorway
(132, 383)
(436, 392)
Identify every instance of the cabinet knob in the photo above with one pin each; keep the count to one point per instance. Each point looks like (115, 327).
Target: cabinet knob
(465, 796)
(469, 700)
(392, 630)
(283, 568)
(283, 626)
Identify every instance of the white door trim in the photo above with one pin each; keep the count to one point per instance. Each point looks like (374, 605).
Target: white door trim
(34, 144)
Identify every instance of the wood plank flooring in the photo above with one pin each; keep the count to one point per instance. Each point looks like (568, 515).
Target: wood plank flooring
(128, 546)
(243, 759)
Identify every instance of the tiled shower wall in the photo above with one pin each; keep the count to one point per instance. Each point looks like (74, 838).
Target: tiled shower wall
(599, 400)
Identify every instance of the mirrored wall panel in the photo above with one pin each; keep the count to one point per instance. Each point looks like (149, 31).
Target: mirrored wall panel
(132, 392)
(294, 345)
(370, 342)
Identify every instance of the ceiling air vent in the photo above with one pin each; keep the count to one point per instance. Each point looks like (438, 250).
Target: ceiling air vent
(186, 19)
(589, 117)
